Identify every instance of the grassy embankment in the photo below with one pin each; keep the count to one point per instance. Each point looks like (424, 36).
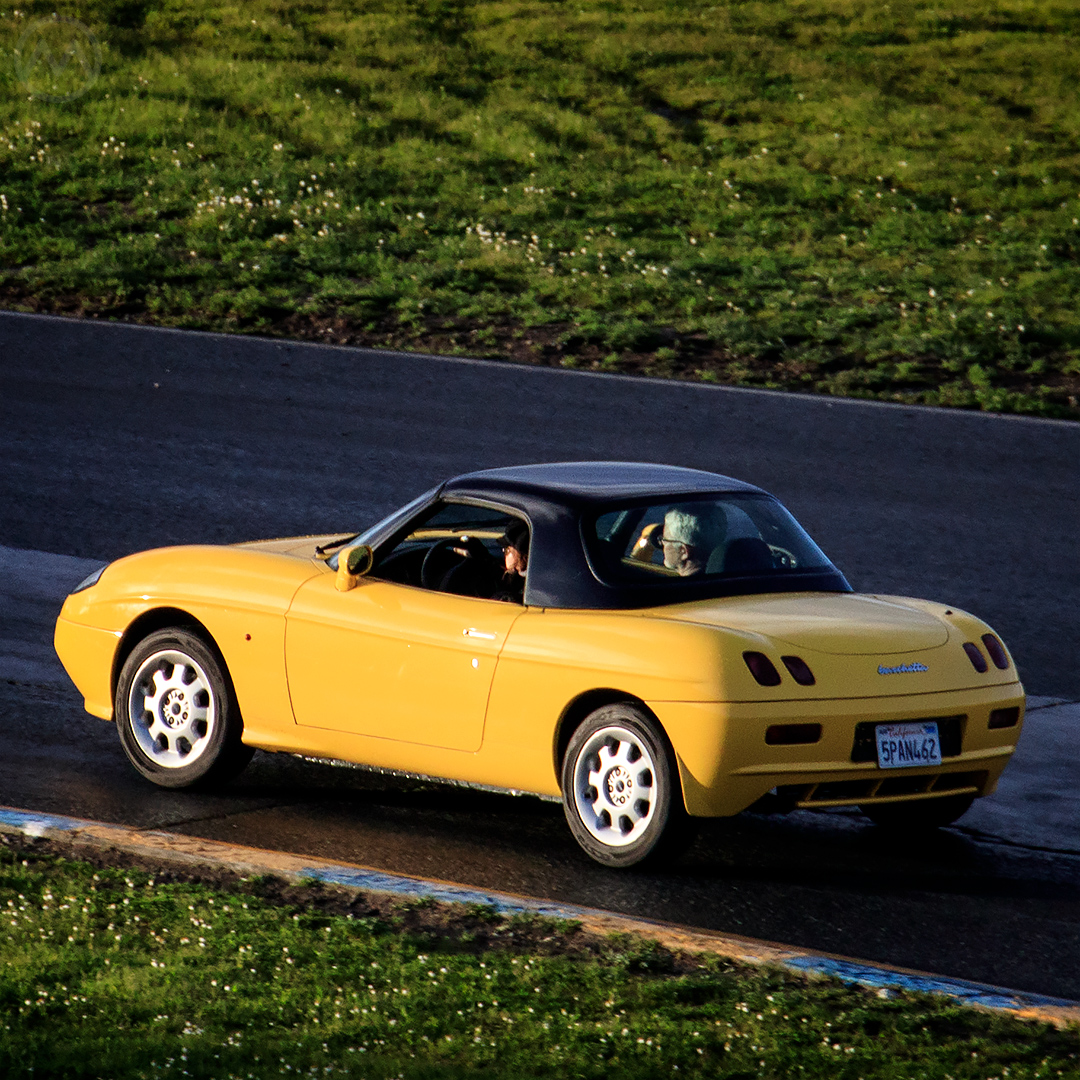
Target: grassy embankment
(834, 195)
(115, 973)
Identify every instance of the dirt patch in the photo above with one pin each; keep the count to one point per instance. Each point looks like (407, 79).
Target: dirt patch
(659, 352)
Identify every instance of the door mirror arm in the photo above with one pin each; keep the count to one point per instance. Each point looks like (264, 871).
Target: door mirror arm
(353, 564)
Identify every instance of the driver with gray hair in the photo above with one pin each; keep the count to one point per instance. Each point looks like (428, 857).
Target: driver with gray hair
(689, 538)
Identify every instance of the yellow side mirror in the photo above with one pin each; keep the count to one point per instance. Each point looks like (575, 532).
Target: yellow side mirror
(353, 564)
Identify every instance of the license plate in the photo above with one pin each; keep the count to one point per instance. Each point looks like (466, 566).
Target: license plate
(903, 746)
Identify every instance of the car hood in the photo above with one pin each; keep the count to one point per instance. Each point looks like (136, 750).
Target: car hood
(302, 547)
(846, 624)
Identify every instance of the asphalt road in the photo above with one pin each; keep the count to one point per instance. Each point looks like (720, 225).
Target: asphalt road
(115, 438)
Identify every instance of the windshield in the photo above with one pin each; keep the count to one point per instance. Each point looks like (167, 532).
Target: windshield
(715, 538)
(373, 534)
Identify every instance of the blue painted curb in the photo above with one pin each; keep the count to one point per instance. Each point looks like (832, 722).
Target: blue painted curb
(848, 971)
(32, 824)
(175, 847)
(970, 993)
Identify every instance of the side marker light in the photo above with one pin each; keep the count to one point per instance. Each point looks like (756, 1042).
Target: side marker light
(978, 661)
(800, 670)
(996, 651)
(792, 734)
(1000, 718)
(762, 668)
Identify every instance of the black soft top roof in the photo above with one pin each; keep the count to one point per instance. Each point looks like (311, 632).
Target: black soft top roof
(556, 497)
(581, 482)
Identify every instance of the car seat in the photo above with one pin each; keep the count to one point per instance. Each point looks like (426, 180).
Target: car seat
(747, 555)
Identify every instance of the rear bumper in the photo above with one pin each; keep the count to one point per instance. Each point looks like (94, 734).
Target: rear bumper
(925, 784)
(726, 765)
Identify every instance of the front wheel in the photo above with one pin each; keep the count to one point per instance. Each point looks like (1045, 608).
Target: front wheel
(620, 786)
(176, 713)
(919, 814)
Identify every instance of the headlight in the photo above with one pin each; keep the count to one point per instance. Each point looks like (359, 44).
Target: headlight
(91, 580)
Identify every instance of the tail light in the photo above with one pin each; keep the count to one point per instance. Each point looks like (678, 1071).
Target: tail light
(978, 661)
(800, 672)
(1009, 717)
(996, 651)
(762, 668)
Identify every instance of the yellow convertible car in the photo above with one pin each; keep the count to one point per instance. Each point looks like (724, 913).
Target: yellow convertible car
(649, 644)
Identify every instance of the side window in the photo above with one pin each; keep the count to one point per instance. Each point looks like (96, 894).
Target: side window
(456, 548)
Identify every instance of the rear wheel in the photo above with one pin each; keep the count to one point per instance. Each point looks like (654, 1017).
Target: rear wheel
(176, 712)
(919, 814)
(621, 792)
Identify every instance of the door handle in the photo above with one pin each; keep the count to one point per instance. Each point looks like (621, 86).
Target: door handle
(471, 631)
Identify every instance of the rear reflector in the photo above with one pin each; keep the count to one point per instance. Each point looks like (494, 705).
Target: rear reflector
(1005, 717)
(800, 672)
(978, 661)
(792, 734)
(762, 668)
(996, 651)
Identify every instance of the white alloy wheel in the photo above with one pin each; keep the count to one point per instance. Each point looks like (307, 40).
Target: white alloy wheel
(172, 708)
(176, 711)
(615, 786)
(620, 784)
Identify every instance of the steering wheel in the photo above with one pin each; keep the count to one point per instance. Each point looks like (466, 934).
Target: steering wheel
(442, 557)
(783, 559)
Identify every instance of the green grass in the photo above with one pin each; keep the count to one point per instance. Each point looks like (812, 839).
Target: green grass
(120, 974)
(830, 195)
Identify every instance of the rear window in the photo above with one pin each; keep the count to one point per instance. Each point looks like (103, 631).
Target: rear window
(715, 538)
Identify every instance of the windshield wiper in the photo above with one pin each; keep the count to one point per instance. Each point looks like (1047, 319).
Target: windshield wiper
(322, 549)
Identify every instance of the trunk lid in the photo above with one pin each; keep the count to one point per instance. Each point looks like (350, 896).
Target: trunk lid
(840, 624)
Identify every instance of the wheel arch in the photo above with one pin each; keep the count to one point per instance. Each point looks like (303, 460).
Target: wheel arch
(150, 622)
(587, 702)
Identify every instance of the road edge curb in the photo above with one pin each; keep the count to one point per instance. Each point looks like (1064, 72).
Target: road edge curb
(190, 851)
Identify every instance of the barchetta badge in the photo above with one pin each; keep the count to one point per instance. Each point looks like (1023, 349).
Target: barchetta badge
(901, 669)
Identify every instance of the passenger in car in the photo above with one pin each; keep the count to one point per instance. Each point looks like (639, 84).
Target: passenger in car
(648, 543)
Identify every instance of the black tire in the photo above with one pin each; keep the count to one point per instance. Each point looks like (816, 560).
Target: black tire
(919, 814)
(643, 804)
(176, 712)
